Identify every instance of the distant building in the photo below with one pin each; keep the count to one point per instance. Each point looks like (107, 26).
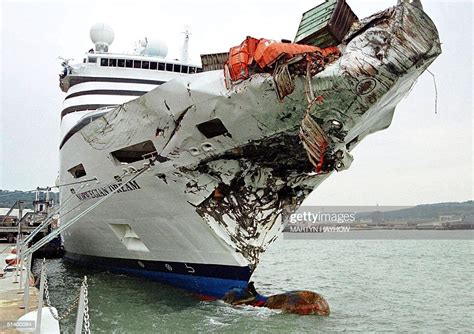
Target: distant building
(429, 226)
(12, 217)
(468, 219)
(449, 218)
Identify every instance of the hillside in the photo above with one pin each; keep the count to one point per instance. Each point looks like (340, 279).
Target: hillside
(9, 197)
(424, 211)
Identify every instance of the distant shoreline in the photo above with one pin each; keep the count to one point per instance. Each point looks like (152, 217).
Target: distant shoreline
(383, 234)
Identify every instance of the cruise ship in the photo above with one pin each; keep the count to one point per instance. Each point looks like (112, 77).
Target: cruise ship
(191, 172)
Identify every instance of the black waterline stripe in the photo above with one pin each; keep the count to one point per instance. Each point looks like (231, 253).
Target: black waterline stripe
(192, 269)
(106, 92)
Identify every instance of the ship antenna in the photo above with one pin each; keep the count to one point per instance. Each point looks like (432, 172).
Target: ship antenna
(184, 51)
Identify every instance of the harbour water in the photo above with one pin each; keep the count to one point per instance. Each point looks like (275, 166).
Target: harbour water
(415, 284)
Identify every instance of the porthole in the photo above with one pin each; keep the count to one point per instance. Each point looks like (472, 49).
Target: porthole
(207, 147)
(194, 151)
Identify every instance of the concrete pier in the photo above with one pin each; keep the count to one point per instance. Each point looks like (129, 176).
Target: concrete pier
(11, 298)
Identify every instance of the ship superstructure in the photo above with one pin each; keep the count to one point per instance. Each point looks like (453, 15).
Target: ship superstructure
(104, 80)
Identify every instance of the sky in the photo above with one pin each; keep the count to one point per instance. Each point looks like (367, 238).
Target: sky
(424, 157)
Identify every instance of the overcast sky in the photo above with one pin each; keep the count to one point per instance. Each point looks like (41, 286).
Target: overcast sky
(422, 158)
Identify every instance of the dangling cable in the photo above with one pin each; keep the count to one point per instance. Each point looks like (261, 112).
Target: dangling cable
(436, 91)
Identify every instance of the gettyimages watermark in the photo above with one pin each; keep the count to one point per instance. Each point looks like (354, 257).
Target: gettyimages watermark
(320, 222)
(378, 222)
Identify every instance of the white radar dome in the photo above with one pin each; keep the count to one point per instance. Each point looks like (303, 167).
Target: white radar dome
(156, 48)
(102, 35)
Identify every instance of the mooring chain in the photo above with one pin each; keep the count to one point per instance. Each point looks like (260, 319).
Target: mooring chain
(87, 325)
(69, 310)
(72, 306)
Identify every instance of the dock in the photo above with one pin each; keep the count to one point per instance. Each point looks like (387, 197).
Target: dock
(12, 311)
(11, 298)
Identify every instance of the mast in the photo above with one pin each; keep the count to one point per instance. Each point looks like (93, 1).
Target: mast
(184, 51)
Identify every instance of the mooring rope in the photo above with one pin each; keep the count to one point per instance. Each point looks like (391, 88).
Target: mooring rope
(61, 228)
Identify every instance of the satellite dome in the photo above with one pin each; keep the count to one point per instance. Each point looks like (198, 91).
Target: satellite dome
(156, 48)
(102, 35)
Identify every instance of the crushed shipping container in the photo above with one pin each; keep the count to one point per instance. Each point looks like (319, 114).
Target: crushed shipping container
(325, 25)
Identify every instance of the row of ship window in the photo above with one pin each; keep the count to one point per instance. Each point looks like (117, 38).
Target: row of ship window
(144, 64)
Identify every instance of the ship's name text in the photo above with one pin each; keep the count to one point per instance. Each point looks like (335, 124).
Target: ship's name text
(104, 191)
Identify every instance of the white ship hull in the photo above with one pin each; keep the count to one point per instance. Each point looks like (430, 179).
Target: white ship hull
(202, 214)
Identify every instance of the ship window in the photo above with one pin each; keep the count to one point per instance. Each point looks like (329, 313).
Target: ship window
(184, 69)
(121, 63)
(212, 128)
(92, 60)
(199, 69)
(137, 152)
(113, 62)
(146, 65)
(137, 64)
(192, 69)
(161, 66)
(169, 67)
(84, 60)
(177, 68)
(77, 171)
(128, 63)
(153, 65)
(104, 62)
